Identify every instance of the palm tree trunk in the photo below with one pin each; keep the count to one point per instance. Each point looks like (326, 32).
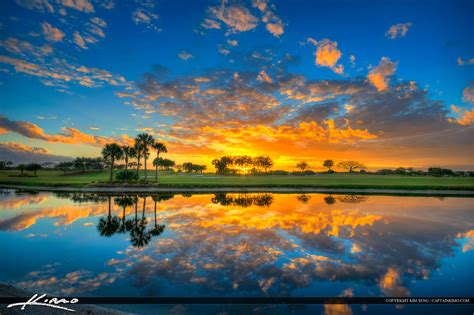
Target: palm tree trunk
(144, 205)
(138, 166)
(144, 158)
(155, 215)
(110, 206)
(126, 163)
(111, 169)
(156, 170)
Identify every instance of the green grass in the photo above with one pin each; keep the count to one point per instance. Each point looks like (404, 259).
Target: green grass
(56, 178)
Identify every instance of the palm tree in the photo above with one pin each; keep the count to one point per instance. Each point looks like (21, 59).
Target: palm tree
(128, 152)
(112, 152)
(109, 226)
(138, 153)
(160, 148)
(146, 142)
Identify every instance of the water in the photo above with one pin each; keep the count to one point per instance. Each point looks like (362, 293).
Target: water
(240, 245)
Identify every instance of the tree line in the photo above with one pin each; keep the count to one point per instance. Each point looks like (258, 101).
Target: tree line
(231, 165)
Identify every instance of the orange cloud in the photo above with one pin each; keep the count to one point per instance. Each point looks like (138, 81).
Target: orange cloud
(390, 284)
(378, 76)
(15, 146)
(70, 135)
(466, 116)
(327, 54)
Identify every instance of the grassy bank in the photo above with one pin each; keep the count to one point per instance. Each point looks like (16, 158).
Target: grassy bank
(57, 178)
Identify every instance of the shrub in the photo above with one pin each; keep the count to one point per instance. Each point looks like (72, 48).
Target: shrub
(279, 172)
(126, 176)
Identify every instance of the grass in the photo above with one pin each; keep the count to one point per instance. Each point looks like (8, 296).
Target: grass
(56, 178)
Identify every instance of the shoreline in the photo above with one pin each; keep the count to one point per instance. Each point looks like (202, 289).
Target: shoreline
(207, 190)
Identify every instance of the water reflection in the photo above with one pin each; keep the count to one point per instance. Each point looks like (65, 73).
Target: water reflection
(246, 244)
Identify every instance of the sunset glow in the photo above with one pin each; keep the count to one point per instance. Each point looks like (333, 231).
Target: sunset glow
(289, 80)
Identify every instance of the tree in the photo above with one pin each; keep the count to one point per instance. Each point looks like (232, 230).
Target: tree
(302, 166)
(5, 164)
(112, 152)
(65, 166)
(146, 141)
(34, 167)
(264, 162)
(128, 152)
(110, 225)
(351, 166)
(160, 148)
(138, 154)
(328, 164)
(163, 163)
(243, 161)
(22, 168)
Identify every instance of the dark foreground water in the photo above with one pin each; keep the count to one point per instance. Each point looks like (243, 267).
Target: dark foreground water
(240, 245)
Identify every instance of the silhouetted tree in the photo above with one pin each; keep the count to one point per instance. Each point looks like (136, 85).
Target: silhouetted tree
(22, 168)
(328, 164)
(302, 166)
(351, 166)
(34, 167)
(160, 148)
(112, 152)
(128, 153)
(146, 142)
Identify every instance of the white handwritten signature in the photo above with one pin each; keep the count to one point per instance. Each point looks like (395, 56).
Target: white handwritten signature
(39, 300)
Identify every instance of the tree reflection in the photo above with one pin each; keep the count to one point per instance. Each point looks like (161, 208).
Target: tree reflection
(303, 198)
(109, 225)
(139, 235)
(330, 200)
(243, 200)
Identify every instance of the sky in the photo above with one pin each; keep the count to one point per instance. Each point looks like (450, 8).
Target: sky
(388, 83)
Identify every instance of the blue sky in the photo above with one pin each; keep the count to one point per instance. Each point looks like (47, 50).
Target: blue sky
(272, 46)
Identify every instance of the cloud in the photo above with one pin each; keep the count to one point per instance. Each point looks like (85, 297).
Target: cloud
(52, 33)
(210, 24)
(273, 23)
(21, 47)
(80, 5)
(327, 54)
(352, 59)
(69, 135)
(40, 5)
(462, 62)
(147, 17)
(185, 55)
(237, 18)
(468, 93)
(60, 73)
(379, 76)
(466, 117)
(398, 30)
(264, 77)
(390, 284)
(79, 41)
(232, 42)
(21, 153)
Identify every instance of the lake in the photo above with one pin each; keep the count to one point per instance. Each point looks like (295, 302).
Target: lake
(77, 244)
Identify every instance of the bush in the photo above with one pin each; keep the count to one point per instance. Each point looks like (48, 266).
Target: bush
(279, 172)
(309, 172)
(126, 176)
(331, 172)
